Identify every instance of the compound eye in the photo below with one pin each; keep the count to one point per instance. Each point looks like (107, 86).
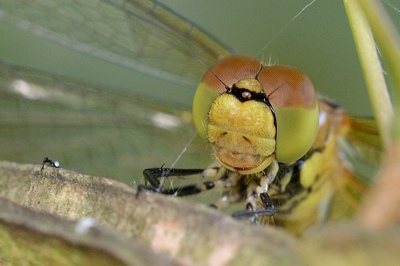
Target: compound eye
(294, 99)
(229, 70)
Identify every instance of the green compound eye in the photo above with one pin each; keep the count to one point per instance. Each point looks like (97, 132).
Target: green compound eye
(294, 99)
(243, 133)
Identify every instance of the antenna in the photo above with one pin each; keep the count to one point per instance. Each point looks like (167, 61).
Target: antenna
(215, 75)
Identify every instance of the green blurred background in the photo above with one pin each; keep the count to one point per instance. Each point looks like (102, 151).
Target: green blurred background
(319, 42)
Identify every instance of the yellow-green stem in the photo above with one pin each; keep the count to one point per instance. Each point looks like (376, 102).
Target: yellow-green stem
(372, 68)
(389, 43)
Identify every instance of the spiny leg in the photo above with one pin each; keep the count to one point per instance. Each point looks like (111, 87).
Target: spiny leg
(259, 203)
(155, 177)
(236, 186)
(267, 209)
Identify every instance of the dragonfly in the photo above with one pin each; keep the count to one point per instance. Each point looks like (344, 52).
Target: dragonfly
(45, 113)
(252, 115)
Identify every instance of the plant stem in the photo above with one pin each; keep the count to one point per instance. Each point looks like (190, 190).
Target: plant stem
(372, 69)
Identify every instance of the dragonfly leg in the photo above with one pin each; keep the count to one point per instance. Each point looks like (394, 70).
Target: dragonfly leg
(156, 177)
(267, 209)
(50, 162)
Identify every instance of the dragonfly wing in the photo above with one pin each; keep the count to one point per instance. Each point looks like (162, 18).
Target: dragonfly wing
(142, 35)
(89, 129)
(359, 139)
(99, 130)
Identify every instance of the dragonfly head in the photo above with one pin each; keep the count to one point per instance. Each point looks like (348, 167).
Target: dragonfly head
(257, 114)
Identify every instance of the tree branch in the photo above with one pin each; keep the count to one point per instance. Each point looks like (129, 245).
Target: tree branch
(42, 209)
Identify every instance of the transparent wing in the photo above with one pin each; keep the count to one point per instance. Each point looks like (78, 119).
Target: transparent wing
(137, 34)
(92, 130)
(363, 137)
(98, 130)
(359, 139)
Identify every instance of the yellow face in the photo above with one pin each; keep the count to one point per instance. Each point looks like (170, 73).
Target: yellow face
(252, 114)
(242, 133)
